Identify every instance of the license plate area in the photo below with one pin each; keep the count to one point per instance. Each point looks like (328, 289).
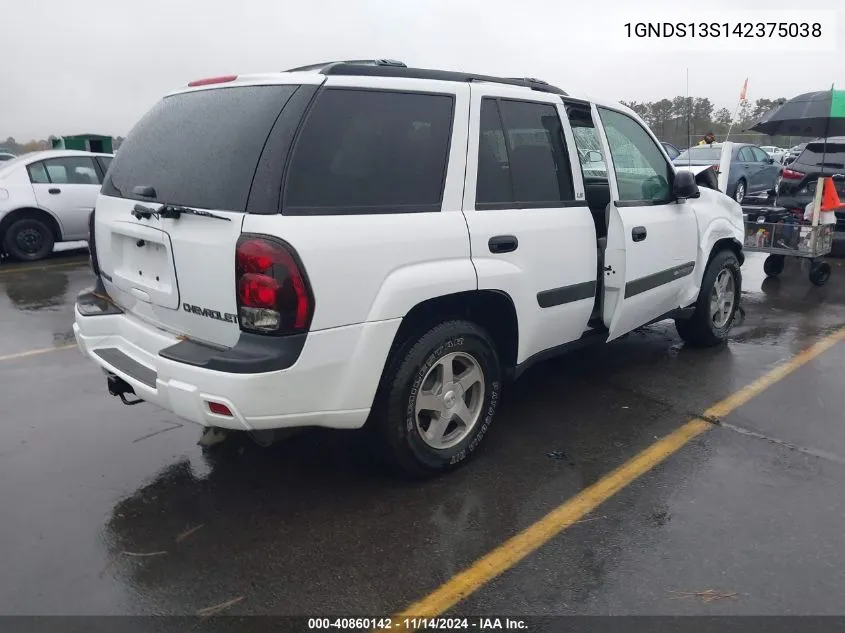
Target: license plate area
(143, 264)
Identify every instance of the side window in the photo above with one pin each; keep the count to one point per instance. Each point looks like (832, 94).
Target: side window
(522, 156)
(37, 174)
(642, 172)
(72, 170)
(370, 151)
(759, 155)
(587, 142)
(745, 155)
(105, 162)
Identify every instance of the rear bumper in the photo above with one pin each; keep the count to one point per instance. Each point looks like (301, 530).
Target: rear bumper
(331, 384)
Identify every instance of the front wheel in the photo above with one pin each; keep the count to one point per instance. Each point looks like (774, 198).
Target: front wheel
(717, 303)
(437, 399)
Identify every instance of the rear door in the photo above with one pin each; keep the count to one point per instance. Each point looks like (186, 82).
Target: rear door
(67, 186)
(652, 240)
(199, 149)
(531, 232)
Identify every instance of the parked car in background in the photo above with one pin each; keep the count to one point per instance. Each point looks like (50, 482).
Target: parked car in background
(798, 182)
(46, 197)
(672, 150)
(754, 174)
(5, 156)
(778, 153)
(793, 152)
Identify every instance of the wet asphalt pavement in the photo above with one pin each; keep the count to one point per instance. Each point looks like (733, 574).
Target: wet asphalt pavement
(108, 509)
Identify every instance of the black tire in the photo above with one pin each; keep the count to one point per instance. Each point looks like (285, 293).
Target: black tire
(773, 266)
(736, 195)
(28, 240)
(699, 330)
(820, 273)
(394, 421)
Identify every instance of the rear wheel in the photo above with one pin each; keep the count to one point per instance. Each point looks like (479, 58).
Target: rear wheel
(29, 239)
(437, 399)
(773, 266)
(739, 192)
(716, 307)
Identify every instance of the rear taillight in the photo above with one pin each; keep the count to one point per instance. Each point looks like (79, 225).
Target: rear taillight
(92, 245)
(274, 296)
(791, 174)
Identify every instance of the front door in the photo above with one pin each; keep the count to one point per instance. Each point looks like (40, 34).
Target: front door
(531, 232)
(652, 239)
(765, 174)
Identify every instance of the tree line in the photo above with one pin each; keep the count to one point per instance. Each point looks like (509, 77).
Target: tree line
(675, 120)
(23, 147)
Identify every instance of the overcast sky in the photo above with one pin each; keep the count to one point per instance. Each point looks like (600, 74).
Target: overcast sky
(97, 65)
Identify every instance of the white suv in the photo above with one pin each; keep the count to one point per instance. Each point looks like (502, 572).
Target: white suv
(362, 242)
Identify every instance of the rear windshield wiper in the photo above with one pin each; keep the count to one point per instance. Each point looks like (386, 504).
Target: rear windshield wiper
(172, 211)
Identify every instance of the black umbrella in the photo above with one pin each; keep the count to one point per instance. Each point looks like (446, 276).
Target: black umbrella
(811, 114)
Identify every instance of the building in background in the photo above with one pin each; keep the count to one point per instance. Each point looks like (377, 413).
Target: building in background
(85, 142)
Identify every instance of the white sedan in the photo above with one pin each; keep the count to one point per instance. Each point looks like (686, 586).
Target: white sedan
(46, 197)
(778, 153)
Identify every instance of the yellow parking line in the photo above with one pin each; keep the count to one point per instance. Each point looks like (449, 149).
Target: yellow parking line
(24, 269)
(34, 352)
(518, 547)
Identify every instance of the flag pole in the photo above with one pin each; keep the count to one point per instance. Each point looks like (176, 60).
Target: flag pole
(742, 97)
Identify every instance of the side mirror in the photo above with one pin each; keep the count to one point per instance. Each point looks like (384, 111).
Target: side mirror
(684, 186)
(770, 160)
(593, 156)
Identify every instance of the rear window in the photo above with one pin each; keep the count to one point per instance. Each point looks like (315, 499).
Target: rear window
(814, 154)
(700, 153)
(199, 149)
(370, 151)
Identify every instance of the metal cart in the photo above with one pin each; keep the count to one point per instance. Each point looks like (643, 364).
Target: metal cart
(782, 239)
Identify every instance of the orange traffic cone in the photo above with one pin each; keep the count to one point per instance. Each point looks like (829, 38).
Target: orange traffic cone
(830, 199)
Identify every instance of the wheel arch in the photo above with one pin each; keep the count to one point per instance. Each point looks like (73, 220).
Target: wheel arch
(492, 310)
(31, 212)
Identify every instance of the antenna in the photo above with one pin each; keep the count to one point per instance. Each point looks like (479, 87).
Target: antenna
(689, 126)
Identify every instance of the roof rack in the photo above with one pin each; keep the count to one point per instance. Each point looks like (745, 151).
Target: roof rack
(392, 68)
(354, 62)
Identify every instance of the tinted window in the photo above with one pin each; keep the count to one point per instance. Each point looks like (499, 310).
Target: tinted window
(587, 142)
(642, 173)
(37, 174)
(199, 149)
(700, 153)
(368, 151)
(522, 157)
(832, 156)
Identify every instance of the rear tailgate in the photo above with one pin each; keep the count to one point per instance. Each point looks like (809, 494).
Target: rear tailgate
(197, 149)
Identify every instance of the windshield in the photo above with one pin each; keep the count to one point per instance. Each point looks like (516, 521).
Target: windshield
(199, 149)
(700, 153)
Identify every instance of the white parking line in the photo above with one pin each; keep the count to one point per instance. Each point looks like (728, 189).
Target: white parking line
(34, 352)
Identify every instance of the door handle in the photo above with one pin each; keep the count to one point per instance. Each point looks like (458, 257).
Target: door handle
(503, 244)
(54, 190)
(638, 233)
